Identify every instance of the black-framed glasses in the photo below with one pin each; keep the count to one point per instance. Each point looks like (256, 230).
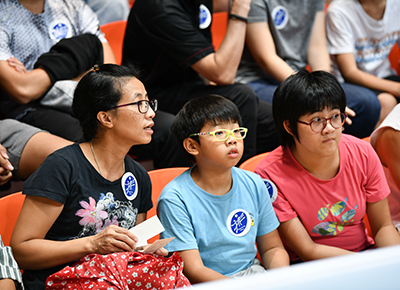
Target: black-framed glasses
(318, 124)
(223, 134)
(143, 105)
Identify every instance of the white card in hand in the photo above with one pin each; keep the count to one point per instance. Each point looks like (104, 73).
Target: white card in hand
(146, 230)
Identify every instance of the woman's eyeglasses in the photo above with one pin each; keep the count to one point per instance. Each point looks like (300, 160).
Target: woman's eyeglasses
(143, 105)
(318, 124)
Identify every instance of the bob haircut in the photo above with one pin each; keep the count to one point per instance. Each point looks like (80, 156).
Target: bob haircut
(99, 90)
(304, 93)
(209, 109)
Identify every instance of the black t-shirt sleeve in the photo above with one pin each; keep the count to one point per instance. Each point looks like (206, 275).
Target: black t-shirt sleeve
(51, 179)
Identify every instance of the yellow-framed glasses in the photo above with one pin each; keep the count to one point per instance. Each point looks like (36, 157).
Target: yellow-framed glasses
(223, 134)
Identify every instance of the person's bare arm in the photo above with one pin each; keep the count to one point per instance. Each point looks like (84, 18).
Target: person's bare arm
(261, 45)
(318, 56)
(7, 284)
(383, 230)
(298, 239)
(38, 147)
(387, 146)
(194, 269)
(271, 250)
(352, 74)
(220, 67)
(23, 87)
(32, 251)
(109, 56)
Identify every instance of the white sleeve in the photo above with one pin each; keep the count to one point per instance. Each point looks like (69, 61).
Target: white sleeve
(89, 23)
(338, 31)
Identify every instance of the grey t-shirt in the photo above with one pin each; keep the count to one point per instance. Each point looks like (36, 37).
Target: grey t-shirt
(290, 23)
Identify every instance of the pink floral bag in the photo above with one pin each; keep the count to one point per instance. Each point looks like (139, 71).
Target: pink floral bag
(127, 270)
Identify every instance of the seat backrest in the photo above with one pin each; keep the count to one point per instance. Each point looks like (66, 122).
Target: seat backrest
(10, 206)
(159, 179)
(115, 33)
(219, 25)
(251, 163)
(394, 58)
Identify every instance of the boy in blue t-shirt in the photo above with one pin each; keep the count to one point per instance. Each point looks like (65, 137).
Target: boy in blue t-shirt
(215, 211)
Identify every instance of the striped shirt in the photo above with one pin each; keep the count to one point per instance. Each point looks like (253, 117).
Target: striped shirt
(8, 266)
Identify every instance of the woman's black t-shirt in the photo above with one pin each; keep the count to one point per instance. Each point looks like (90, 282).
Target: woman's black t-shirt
(91, 203)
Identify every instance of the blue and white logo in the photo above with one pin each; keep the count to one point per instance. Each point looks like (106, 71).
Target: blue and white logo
(280, 16)
(59, 30)
(205, 17)
(271, 189)
(129, 185)
(239, 222)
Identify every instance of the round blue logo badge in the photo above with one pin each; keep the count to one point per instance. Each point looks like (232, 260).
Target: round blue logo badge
(280, 16)
(129, 185)
(271, 189)
(239, 222)
(58, 30)
(205, 17)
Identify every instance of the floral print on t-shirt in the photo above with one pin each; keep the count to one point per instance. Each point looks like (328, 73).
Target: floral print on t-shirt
(96, 216)
(337, 210)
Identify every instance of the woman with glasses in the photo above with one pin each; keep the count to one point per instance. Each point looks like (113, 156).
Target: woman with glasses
(85, 197)
(324, 181)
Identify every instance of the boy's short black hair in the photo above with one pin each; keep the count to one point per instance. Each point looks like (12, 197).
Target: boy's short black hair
(305, 93)
(197, 112)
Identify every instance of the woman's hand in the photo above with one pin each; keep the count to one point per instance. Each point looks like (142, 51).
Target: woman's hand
(161, 252)
(113, 239)
(5, 166)
(17, 64)
(350, 113)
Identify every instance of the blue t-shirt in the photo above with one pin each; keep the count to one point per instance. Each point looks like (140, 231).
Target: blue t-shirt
(223, 228)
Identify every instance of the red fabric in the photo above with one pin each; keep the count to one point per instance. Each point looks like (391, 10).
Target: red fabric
(128, 270)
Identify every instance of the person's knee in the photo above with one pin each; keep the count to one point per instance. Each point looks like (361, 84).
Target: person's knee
(243, 96)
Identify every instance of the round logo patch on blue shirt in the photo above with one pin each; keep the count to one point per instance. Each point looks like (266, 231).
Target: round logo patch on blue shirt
(239, 222)
(59, 30)
(129, 185)
(205, 17)
(271, 189)
(280, 16)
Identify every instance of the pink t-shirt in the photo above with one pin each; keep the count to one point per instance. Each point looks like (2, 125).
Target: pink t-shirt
(332, 211)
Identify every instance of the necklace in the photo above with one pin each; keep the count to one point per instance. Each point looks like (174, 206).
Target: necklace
(97, 163)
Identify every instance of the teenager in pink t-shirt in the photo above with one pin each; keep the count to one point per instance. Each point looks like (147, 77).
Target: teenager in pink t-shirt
(325, 180)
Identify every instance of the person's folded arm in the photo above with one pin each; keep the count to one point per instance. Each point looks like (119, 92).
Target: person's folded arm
(298, 239)
(108, 53)
(387, 145)
(220, 67)
(317, 54)
(23, 87)
(271, 250)
(262, 47)
(33, 251)
(194, 269)
(352, 74)
(7, 284)
(383, 230)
